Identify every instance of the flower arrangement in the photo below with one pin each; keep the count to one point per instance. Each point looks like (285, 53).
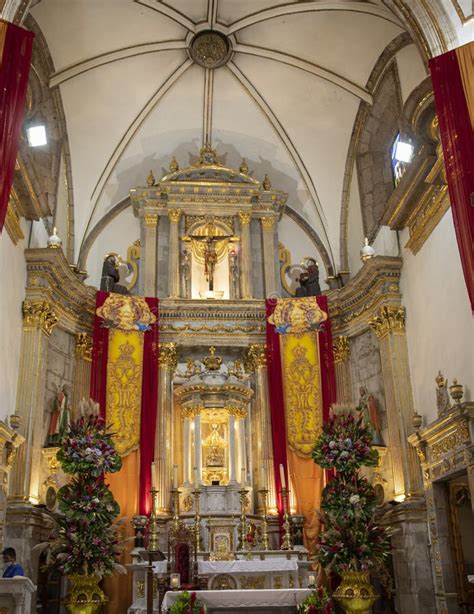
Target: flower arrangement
(187, 603)
(319, 602)
(344, 444)
(84, 540)
(351, 540)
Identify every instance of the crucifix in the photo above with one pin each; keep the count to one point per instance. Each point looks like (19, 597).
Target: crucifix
(210, 241)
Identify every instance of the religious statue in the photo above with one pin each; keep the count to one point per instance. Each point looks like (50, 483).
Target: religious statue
(186, 272)
(215, 444)
(234, 273)
(309, 279)
(368, 407)
(442, 396)
(111, 275)
(60, 417)
(210, 249)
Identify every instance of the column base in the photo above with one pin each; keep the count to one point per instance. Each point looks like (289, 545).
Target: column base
(411, 557)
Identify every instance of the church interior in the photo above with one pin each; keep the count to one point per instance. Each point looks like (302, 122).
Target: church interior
(232, 232)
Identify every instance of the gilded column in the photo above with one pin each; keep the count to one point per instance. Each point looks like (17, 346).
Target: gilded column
(232, 450)
(389, 326)
(163, 437)
(342, 352)
(149, 253)
(245, 255)
(173, 257)
(197, 448)
(268, 241)
(82, 371)
(39, 319)
(256, 361)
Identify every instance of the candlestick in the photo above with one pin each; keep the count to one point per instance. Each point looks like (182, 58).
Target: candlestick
(286, 542)
(197, 532)
(175, 476)
(153, 533)
(264, 494)
(175, 498)
(282, 477)
(244, 544)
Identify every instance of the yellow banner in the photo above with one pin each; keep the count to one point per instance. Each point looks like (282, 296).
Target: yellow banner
(302, 390)
(124, 388)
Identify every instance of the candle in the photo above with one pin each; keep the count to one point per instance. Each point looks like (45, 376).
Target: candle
(282, 477)
(153, 475)
(242, 476)
(311, 580)
(175, 581)
(264, 477)
(175, 476)
(196, 478)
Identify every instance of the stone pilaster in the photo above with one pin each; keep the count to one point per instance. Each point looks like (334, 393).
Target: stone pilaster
(163, 438)
(150, 247)
(245, 255)
(268, 242)
(256, 361)
(10, 440)
(39, 319)
(342, 353)
(82, 371)
(173, 256)
(389, 326)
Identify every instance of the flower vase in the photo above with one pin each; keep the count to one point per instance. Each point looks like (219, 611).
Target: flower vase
(355, 593)
(85, 596)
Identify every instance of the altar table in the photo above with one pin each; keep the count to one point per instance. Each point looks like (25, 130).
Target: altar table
(270, 599)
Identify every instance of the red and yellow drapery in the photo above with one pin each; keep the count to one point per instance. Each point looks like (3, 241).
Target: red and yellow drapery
(302, 386)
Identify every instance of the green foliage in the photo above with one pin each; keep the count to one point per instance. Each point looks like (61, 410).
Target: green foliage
(319, 602)
(187, 603)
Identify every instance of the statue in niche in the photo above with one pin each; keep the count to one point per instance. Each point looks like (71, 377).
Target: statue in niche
(210, 249)
(368, 407)
(111, 275)
(309, 279)
(234, 273)
(215, 444)
(442, 396)
(186, 272)
(60, 418)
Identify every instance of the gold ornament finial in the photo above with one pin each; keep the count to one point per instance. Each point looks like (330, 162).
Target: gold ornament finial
(150, 180)
(212, 362)
(244, 167)
(266, 183)
(174, 166)
(456, 391)
(440, 380)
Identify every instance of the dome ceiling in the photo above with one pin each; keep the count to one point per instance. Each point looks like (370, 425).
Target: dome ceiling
(138, 88)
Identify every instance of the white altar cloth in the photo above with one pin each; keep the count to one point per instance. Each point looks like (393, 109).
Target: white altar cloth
(159, 567)
(269, 598)
(252, 566)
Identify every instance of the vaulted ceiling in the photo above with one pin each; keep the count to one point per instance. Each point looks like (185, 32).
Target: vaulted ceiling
(286, 99)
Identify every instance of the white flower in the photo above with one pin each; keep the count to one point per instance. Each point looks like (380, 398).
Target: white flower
(354, 499)
(332, 444)
(344, 454)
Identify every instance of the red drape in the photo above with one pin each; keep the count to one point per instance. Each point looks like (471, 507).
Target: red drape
(15, 57)
(457, 138)
(149, 408)
(326, 358)
(98, 391)
(277, 406)
(100, 352)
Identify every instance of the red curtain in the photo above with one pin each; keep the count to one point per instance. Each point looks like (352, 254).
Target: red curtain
(326, 359)
(15, 57)
(98, 391)
(277, 405)
(149, 408)
(457, 138)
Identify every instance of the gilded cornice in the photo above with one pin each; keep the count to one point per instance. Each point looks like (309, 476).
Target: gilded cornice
(168, 356)
(51, 279)
(12, 219)
(225, 390)
(376, 284)
(39, 315)
(255, 358)
(341, 348)
(84, 346)
(388, 319)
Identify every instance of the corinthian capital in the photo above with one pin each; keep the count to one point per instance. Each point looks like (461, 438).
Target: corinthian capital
(341, 349)
(245, 218)
(168, 356)
(174, 215)
(388, 319)
(255, 357)
(39, 314)
(84, 346)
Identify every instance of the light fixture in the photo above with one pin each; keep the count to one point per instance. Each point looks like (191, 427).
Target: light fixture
(36, 136)
(175, 581)
(403, 151)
